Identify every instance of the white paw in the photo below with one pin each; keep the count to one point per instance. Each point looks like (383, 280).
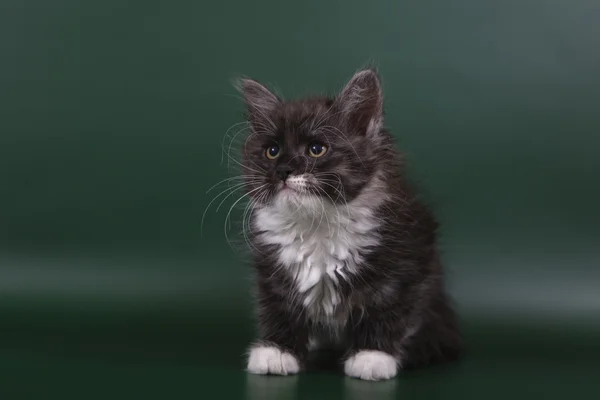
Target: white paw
(270, 360)
(371, 365)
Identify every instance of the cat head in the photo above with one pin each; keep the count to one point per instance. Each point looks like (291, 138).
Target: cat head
(312, 149)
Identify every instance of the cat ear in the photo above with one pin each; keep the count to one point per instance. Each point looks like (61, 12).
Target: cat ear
(361, 102)
(260, 103)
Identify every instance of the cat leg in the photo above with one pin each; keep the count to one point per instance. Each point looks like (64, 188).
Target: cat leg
(376, 351)
(269, 358)
(385, 342)
(371, 365)
(282, 345)
(435, 339)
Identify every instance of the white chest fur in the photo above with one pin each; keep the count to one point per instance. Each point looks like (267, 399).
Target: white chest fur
(319, 244)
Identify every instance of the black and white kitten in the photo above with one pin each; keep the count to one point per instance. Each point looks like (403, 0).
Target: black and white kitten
(344, 252)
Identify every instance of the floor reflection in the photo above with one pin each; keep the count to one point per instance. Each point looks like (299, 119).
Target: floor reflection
(259, 387)
(356, 389)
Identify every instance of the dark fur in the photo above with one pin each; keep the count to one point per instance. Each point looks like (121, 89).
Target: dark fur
(407, 259)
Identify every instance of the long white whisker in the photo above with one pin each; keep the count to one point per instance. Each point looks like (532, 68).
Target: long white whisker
(231, 143)
(246, 226)
(235, 187)
(238, 186)
(225, 136)
(231, 179)
(234, 204)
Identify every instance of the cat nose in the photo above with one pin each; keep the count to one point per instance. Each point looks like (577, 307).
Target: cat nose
(283, 171)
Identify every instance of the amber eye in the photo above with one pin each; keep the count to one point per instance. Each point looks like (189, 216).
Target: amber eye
(273, 152)
(317, 150)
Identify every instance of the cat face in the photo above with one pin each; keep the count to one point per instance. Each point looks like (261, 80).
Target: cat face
(298, 152)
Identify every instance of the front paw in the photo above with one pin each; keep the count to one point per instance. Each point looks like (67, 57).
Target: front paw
(271, 360)
(371, 365)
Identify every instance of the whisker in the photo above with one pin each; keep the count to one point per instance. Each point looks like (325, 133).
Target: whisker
(227, 180)
(234, 188)
(225, 136)
(234, 204)
(231, 143)
(239, 186)
(246, 227)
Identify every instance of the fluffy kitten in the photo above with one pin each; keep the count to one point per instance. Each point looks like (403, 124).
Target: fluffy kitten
(344, 252)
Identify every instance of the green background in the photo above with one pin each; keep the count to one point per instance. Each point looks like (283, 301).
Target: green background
(112, 115)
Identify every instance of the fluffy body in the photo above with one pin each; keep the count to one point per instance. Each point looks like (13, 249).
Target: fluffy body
(320, 246)
(344, 250)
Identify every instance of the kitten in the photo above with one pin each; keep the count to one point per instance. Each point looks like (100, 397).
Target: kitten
(343, 250)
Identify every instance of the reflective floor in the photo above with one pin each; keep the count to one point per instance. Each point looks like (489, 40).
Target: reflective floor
(157, 351)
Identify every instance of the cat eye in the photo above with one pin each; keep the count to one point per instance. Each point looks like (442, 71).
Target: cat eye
(272, 152)
(317, 150)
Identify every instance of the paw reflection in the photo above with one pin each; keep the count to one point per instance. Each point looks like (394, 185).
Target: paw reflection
(268, 387)
(355, 389)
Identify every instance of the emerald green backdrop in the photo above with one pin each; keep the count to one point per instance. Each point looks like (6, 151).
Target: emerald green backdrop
(112, 115)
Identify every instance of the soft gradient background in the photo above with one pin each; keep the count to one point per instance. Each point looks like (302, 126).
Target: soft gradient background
(112, 115)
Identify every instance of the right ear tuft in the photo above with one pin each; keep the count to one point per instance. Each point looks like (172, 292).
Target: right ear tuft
(257, 97)
(361, 101)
